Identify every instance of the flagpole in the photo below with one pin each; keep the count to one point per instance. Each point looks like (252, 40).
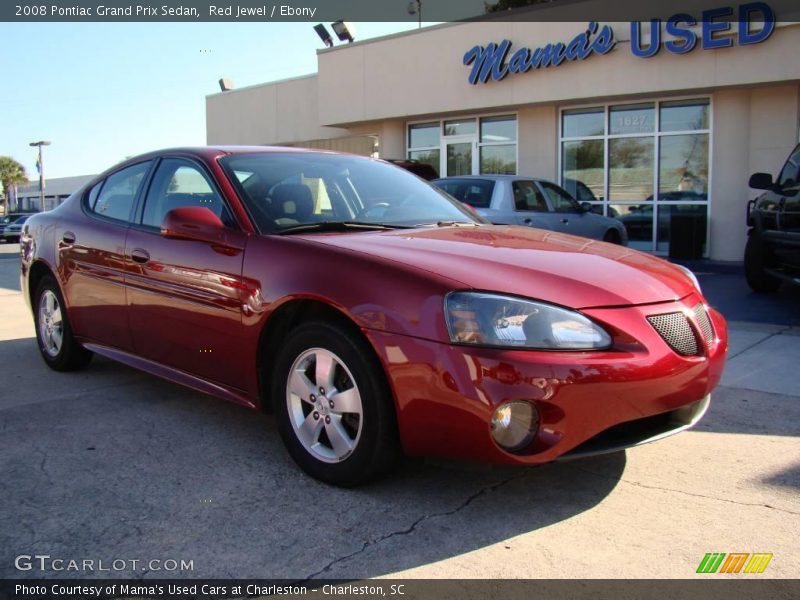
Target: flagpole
(40, 164)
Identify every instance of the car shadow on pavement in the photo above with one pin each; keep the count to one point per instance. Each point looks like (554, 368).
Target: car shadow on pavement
(112, 464)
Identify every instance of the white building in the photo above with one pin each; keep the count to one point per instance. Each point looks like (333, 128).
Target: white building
(56, 190)
(666, 142)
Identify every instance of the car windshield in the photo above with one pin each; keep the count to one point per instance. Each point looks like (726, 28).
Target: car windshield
(289, 191)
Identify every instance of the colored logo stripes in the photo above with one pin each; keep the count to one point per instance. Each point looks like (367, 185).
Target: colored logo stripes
(735, 562)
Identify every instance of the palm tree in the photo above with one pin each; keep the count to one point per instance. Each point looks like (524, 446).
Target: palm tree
(12, 174)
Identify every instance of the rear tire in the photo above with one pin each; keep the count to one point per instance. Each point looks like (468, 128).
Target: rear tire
(333, 405)
(58, 347)
(757, 258)
(612, 236)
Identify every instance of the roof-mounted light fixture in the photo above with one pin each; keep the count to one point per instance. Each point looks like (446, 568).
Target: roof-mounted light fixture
(344, 31)
(324, 35)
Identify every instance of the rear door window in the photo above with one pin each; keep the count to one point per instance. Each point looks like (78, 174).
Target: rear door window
(118, 194)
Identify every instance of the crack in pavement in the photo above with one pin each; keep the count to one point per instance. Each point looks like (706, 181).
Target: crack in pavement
(665, 489)
(411, 528)
(43, 462)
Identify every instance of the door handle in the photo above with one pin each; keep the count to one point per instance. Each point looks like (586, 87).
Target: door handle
(565, 221)
(140, 256)
(68, 237)
(527, 221)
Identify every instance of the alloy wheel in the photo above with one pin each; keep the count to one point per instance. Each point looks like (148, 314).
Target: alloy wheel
(51, 323)
(324, 405)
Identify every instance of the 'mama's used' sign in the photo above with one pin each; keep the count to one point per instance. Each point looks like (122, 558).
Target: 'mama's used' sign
(496, 60)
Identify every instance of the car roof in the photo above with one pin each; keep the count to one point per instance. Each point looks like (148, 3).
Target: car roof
(214, 151)
(210, 153)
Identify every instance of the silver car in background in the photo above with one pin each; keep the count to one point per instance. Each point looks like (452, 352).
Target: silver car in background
(11, 226)
(532, 202)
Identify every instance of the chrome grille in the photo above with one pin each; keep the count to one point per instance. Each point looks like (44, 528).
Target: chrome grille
(703, 322)
(676, 331)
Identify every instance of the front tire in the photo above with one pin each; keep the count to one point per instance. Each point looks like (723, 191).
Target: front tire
(333, 406)
(58, 347)
(756, 260)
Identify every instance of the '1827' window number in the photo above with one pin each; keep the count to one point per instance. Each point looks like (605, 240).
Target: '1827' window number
(634, 121)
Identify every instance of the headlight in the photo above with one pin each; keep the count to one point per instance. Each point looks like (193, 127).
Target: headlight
(485, 319)
(690, 275)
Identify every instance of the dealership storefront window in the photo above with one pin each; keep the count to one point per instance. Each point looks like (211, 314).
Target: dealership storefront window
(466, 146)
(645, 163)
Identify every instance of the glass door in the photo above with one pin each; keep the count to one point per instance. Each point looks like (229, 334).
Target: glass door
(459, 156)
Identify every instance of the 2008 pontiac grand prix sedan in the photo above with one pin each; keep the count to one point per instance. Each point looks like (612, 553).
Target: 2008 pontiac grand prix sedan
(370, 312)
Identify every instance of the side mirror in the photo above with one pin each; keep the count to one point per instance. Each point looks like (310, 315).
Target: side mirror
(195, 223)
(586, 206)
(761, 181)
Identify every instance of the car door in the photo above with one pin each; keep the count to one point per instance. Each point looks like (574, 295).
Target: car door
(530, 207)
(185, 296)
(91, 257)
(567, 214)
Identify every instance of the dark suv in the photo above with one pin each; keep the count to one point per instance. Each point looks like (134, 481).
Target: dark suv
(420, 169)
(772, 254)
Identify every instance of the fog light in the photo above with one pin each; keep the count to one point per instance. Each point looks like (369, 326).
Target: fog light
(514, 425)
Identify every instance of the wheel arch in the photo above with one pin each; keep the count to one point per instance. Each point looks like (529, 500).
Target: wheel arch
(286, 317)
(38, 270)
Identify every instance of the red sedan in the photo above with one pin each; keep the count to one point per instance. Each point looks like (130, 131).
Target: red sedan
(370, 312)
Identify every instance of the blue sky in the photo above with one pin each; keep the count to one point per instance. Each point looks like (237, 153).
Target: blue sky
(104, 91)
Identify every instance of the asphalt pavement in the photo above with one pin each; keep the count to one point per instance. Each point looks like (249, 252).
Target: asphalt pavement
(113, 464)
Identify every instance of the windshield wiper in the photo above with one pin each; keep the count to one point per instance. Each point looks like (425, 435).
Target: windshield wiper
(339, 226)
(450, 224)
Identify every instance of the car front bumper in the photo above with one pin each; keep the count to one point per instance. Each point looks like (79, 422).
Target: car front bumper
(588, 402)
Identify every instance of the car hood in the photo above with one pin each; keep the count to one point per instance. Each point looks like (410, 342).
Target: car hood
(534, 263)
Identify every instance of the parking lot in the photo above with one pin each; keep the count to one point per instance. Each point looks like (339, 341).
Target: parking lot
(111, 464)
